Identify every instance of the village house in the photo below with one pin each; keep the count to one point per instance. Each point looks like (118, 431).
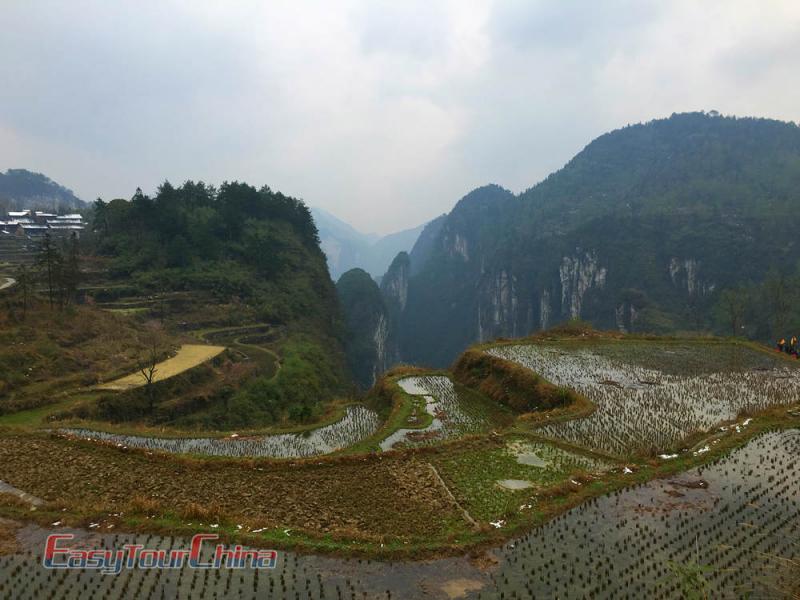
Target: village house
(36, 223)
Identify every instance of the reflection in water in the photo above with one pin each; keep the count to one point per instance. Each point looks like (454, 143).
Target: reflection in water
(729, 517)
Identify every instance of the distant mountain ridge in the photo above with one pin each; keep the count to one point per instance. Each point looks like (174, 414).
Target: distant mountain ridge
(641, 231)
(347, 248)
(21, 189)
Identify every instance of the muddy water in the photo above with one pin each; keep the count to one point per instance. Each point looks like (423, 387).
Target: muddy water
(728, 518)
(453, 414)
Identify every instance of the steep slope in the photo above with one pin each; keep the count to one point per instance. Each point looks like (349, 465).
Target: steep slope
(367, 326)
(394, 291)
(343, 245)
(425, 244)
(383, 251)
(21, 189)
(235, 256)
(640, 231)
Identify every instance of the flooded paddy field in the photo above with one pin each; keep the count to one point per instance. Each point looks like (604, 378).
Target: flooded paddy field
(652, 395)
(358, 423)
(736, 523)
(453, 412)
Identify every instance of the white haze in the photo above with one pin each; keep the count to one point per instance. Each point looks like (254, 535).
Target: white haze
(383, 113)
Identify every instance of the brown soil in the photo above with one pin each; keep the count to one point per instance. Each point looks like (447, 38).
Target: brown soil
(366, 498)
(459, 588)
(692, 484)
(483, 561)
(8, 537)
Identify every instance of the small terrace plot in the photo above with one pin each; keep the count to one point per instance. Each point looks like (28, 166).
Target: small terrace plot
(652, 395)
(188, 357)
(491, 481)
(358, 423)
(453, 413)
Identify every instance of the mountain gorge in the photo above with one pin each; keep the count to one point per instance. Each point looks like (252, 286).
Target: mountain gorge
(641, 231)
(347, 248)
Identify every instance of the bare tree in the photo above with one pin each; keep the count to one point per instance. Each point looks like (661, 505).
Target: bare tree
(733, 303)
(24, 279)
(71, 269)
(48, 259)
(147, 367)
(779, 292)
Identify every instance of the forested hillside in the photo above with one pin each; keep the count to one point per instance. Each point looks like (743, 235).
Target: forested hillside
(644, 230)
(367, 326)
(235, 256)
(21, 189)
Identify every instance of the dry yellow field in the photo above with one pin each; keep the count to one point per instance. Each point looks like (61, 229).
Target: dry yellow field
(189, 356)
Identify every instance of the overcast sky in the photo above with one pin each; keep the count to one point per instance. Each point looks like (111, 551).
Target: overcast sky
(383, 113)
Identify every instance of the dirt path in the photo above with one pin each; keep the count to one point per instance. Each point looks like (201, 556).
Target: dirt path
(247, 349)
(189, 356)
(24, 496)
(467, 517)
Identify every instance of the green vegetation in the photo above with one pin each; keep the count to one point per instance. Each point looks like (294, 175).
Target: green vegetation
(764, 309)
(643, 231)
(258, 245)
(475, 475)
(51, 354)
(21, 189)
(506, 383)
(367, 325)
(199, 257)
(307, 375)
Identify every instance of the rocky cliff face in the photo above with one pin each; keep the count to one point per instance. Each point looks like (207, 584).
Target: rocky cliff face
(394, 291)
(425, 244)
(578, 274)
(394, 285)
(497, 307)
(685, 275)
(639, 232)
(380, 338)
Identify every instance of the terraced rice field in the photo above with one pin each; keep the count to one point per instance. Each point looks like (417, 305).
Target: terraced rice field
(188, 357)
(454, 413)
(358, 423)
(249, 341)
(652, 395)
(295, 576)
(490, 482)
(736, 523)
